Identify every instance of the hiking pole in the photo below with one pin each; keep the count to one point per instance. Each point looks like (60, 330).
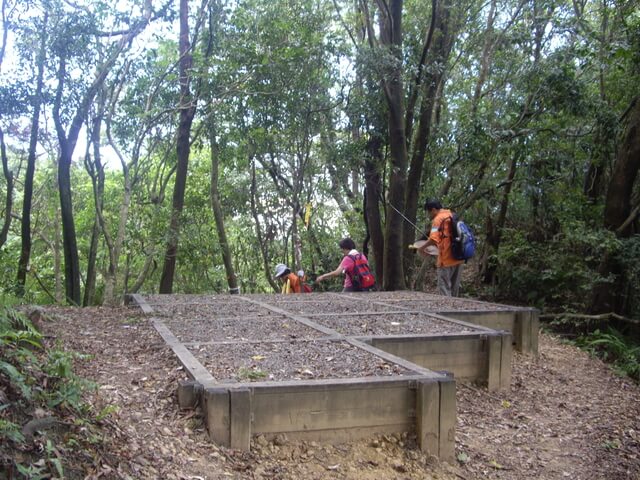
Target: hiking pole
(419, 230)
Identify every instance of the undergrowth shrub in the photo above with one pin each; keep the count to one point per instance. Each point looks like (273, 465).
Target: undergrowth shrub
(558, 272)
(629, 257)
(36, 379)
(614, 348)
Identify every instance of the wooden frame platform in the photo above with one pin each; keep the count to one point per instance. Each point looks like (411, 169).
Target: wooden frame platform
(341, 409)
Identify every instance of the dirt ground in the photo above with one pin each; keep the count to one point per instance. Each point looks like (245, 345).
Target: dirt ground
(567, 416)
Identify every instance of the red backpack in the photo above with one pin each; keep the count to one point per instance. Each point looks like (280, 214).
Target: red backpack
(304, 287)
(361, 276)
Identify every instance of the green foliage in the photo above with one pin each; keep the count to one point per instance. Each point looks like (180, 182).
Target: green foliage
(615, 348)
(629, 257)
(68, 387)
(295, 89)
(17, 335)
(252, 373)
(35, 378)
(10, 431)
(558, 271)
(16, 379)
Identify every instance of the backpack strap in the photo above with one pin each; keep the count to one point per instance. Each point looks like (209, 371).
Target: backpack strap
(353, 259)
(441, 228)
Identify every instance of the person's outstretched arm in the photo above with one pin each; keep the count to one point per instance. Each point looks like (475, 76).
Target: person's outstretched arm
(337, 272)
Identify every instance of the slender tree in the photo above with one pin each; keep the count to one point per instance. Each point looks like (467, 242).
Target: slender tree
(6, 171)
(67, 140)
(36, 103)
(389, 41)
(440, 41)
(216, 207)
(187, 110)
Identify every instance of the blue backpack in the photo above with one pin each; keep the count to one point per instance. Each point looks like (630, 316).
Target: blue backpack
(463, 243)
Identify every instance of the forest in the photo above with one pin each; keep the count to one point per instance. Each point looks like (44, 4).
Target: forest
(189, 147)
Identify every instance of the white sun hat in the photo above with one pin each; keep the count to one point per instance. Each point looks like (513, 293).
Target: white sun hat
(281, 269)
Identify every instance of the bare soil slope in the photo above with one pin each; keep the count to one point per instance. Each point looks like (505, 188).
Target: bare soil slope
(567, 416)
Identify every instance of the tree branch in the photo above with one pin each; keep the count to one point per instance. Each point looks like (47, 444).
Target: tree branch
(602, 316)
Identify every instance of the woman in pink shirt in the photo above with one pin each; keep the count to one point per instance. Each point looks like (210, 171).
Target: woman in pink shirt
(351, 258)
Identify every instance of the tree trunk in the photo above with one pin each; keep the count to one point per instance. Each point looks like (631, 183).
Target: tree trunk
(494, 234)
(619, 194)
(256, 217)
(606, 296)
(373, 184)
(415, 89)
(595, 177)
(144, 273)
(439, 58)
(8, 176)
(96, 171)
(67, 145)
(129, 178)
(25, 251)
(218, 215)
(90, 282)
(485, 62)
(57, 259)
(391, 35)
(187, 112)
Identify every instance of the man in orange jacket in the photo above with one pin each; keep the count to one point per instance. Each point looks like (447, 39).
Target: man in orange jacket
(449, 268)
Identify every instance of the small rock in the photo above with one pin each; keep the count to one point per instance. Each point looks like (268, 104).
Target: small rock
(280, 440)
(140, 460)
(37, 317)
(400, 467)
(261, 440)
(40, 413)
(433, 461)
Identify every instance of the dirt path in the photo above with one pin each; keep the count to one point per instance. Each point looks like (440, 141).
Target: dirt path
(567, 416)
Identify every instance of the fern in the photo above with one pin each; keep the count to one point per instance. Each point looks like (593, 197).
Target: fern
(10, 431)
(612, 346)
(16, 378)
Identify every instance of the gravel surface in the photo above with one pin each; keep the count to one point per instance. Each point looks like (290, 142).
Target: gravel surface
(190, 299)
(241, 320)
(197, 329)
(328, 305)
(211, 310)
(372, 301)
(389, 324)
(444, 304)
(283, 361)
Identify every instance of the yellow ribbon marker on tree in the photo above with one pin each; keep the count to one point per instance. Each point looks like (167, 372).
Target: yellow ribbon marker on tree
(307, 214)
